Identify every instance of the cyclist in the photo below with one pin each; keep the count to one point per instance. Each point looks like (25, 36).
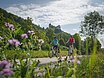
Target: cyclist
(55, 47)
(70, 41)
(55, 43)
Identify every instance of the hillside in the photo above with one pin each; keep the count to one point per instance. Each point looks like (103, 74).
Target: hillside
(24, 25)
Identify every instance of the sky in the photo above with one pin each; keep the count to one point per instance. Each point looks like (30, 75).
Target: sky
(66, 13)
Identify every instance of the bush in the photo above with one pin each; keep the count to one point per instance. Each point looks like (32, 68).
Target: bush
(46, 47)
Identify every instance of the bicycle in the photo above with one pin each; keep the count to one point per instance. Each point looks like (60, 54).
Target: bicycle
(55, 52)
(70, 52)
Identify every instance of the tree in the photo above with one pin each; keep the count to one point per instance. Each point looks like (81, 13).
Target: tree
(29, 23)
(92, 25)
(89, 45)
(50, 34)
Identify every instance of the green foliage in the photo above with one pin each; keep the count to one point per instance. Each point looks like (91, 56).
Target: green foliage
(87, 45)
(46, 46)
(77, 43)
(62, 42)
(92, 24)
(64, 48)
(50, 34)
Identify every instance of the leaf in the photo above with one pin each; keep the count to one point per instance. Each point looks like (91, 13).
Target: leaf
(16, 31)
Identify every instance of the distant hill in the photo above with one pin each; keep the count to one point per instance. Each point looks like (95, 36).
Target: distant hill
(56, 29)
(9, 17)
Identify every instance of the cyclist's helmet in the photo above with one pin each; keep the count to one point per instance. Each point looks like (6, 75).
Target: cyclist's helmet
(55, 37)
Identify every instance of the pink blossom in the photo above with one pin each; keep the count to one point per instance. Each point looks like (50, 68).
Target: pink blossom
(78, 62)
(9, 26)
(17, 43)
(72, 61)
(3, 63)
(5, 68)
(30, 32)
(6, 24)
(75, 61)
(11, 42)
(14, 42)
(24, 36)
(6, 72)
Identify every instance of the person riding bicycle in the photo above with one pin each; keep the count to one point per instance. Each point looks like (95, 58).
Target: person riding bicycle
(70, 42)
(55, 43)
(55, 48)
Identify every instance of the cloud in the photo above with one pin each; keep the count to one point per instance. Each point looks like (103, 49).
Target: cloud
(74, 29)
(57, 12)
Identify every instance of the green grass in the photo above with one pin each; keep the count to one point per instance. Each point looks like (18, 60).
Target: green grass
(23, 54)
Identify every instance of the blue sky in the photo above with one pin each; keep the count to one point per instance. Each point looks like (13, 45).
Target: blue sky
(67, 13)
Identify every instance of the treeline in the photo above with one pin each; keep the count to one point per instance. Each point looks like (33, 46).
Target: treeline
(24, 25)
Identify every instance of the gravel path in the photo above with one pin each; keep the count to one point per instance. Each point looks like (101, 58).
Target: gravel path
(47, 60)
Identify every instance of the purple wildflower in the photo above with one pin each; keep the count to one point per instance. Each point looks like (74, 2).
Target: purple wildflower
(9, 26)
(11, 42)
(30, 32)
(6, 24)
(14, 42)
(3, 63)
(6, 72)
(78, 62)
(73, 61)
(24, 36)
